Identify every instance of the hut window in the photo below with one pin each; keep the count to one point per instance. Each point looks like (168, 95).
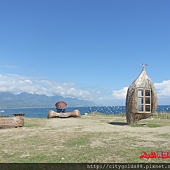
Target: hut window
(144, 100)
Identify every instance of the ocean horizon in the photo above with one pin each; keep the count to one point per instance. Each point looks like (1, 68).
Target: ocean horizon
(43, 112)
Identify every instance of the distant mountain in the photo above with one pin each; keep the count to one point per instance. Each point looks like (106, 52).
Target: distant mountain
(9, 100)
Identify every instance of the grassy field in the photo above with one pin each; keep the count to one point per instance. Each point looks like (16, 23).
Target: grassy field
(89, 139)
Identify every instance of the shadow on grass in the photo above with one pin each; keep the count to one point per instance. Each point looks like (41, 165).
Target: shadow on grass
(118, 123)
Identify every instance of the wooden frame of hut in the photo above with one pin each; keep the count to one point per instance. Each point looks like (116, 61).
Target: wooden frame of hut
(141, 99)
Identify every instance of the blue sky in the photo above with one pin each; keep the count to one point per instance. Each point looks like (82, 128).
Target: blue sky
(88, 49)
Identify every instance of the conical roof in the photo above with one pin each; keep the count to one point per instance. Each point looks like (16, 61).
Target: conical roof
(142, 80)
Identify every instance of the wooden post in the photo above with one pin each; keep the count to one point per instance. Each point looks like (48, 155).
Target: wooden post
(8, 122)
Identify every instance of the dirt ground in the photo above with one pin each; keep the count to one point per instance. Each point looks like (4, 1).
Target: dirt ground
(108, 124)
(107, 133)
(99, 124)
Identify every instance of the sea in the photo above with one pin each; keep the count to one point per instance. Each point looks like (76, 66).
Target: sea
(43, 112)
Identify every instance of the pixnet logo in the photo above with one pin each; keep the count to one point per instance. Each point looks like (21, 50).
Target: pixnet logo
(158, 154)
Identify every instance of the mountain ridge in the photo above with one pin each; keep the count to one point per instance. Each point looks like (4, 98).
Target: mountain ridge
(10, 100)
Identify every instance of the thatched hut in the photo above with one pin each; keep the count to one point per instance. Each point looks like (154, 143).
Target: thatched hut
(141, 99)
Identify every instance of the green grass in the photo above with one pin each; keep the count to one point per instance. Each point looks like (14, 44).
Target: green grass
(33, 122)
(4, 115)
(78, 141)
(103, 114)
(156, 115)
(146, 125)
(39, 142)
(161, 115)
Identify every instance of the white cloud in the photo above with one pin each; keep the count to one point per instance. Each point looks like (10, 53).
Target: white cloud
(120, 94)
(163, 89)
(17, 83)
(10, 66)
(69, 91)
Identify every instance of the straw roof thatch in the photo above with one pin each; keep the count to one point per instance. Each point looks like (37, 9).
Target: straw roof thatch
(132, 113)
